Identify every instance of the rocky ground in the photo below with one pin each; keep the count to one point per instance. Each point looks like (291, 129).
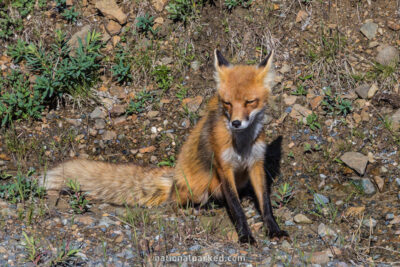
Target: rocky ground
(333, 130)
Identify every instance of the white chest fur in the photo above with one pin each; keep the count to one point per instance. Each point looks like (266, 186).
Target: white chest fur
(238, 162)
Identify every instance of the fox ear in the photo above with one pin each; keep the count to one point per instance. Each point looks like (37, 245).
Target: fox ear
(267, 73)
(220, 63)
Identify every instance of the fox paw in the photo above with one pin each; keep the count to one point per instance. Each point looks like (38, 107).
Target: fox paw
(279, 235)
(248, 239)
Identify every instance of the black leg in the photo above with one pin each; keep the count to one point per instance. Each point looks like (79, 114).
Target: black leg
(237, 215)
(269, 219)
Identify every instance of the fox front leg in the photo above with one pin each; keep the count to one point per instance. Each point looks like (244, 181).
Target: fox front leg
(234, 208)
(258, 181)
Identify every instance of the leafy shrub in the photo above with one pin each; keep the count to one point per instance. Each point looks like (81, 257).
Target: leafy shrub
(182, 10)
(162, 75)
(57, 71)
(20, 187)
(145, 24)
(22, 102)
(231, 4)
(70, 14)
(138, 104)
(78, 201)
(122, 70)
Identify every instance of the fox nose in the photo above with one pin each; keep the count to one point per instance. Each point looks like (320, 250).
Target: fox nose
(236, 123)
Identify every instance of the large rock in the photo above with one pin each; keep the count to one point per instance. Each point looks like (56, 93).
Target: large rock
(366, 91)
(387, 56)
(369, 29)
(111, 10)
(356, 161)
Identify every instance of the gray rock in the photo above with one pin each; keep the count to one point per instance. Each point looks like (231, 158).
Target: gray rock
(369, 29)
(301, 219)
(362, 91)
(356, 161)
(368, 186)
(109, 135)
(75, 122)
(195, 65)
(195, 248)
(99, 124)
(369, 222)
(395, 118)
(106, 222)
(324, 230)
(98, 113)
(73, 42)
(398, 182)
(388, 56)
(320, 199)
(389, 216)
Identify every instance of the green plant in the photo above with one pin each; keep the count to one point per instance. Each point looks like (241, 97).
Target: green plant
(122, 69)
(137, 105)
(231, 4)
(20, 101)
(162, 75)
(17, 51)
(182, 10)
(299, 91)
(284, 194)
(20, 188)
(181, 94)
(78, 201)
(312, 121)
(170, 162)
(34, 253)
(335, 104)
(70, 14)
(65, 254)
(307, 148)
(145, 24)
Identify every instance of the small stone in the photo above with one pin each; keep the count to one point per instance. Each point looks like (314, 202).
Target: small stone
(111, 10)
(75, 122)
(99, 124)
(388, 56)
(195, 65)
(368, 186)
(316, 101)
(363, 90)
(324, 230)
(369, 222)
(301, 219)
(301, 16)
(109, 135)
(195, 247)
(113, 27)
(153, 159)
(148, 149)
(153, 130)
(320, 199)
(286, 245)
(299, 112)
(285, 68)
(320, 257)
(393, 25)
(152, 113)
(369, 29)
(389, 216)
(98, 113)
(159, 4)
(395, 118)
(397, 182)
(290, 100)
(356, 161)
(372, 90)
(379, 182)
(395, 220)
(117, 110)
(192, 104)
(87, 220)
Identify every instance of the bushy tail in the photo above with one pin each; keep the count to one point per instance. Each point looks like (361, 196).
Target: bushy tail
(113, 183)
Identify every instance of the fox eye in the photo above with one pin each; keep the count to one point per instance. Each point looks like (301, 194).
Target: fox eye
(250, 101)
(226, 103)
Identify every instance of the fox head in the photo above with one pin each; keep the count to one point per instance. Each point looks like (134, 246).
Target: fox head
(243, 90)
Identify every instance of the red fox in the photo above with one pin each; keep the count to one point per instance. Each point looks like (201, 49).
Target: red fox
(224, 151)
